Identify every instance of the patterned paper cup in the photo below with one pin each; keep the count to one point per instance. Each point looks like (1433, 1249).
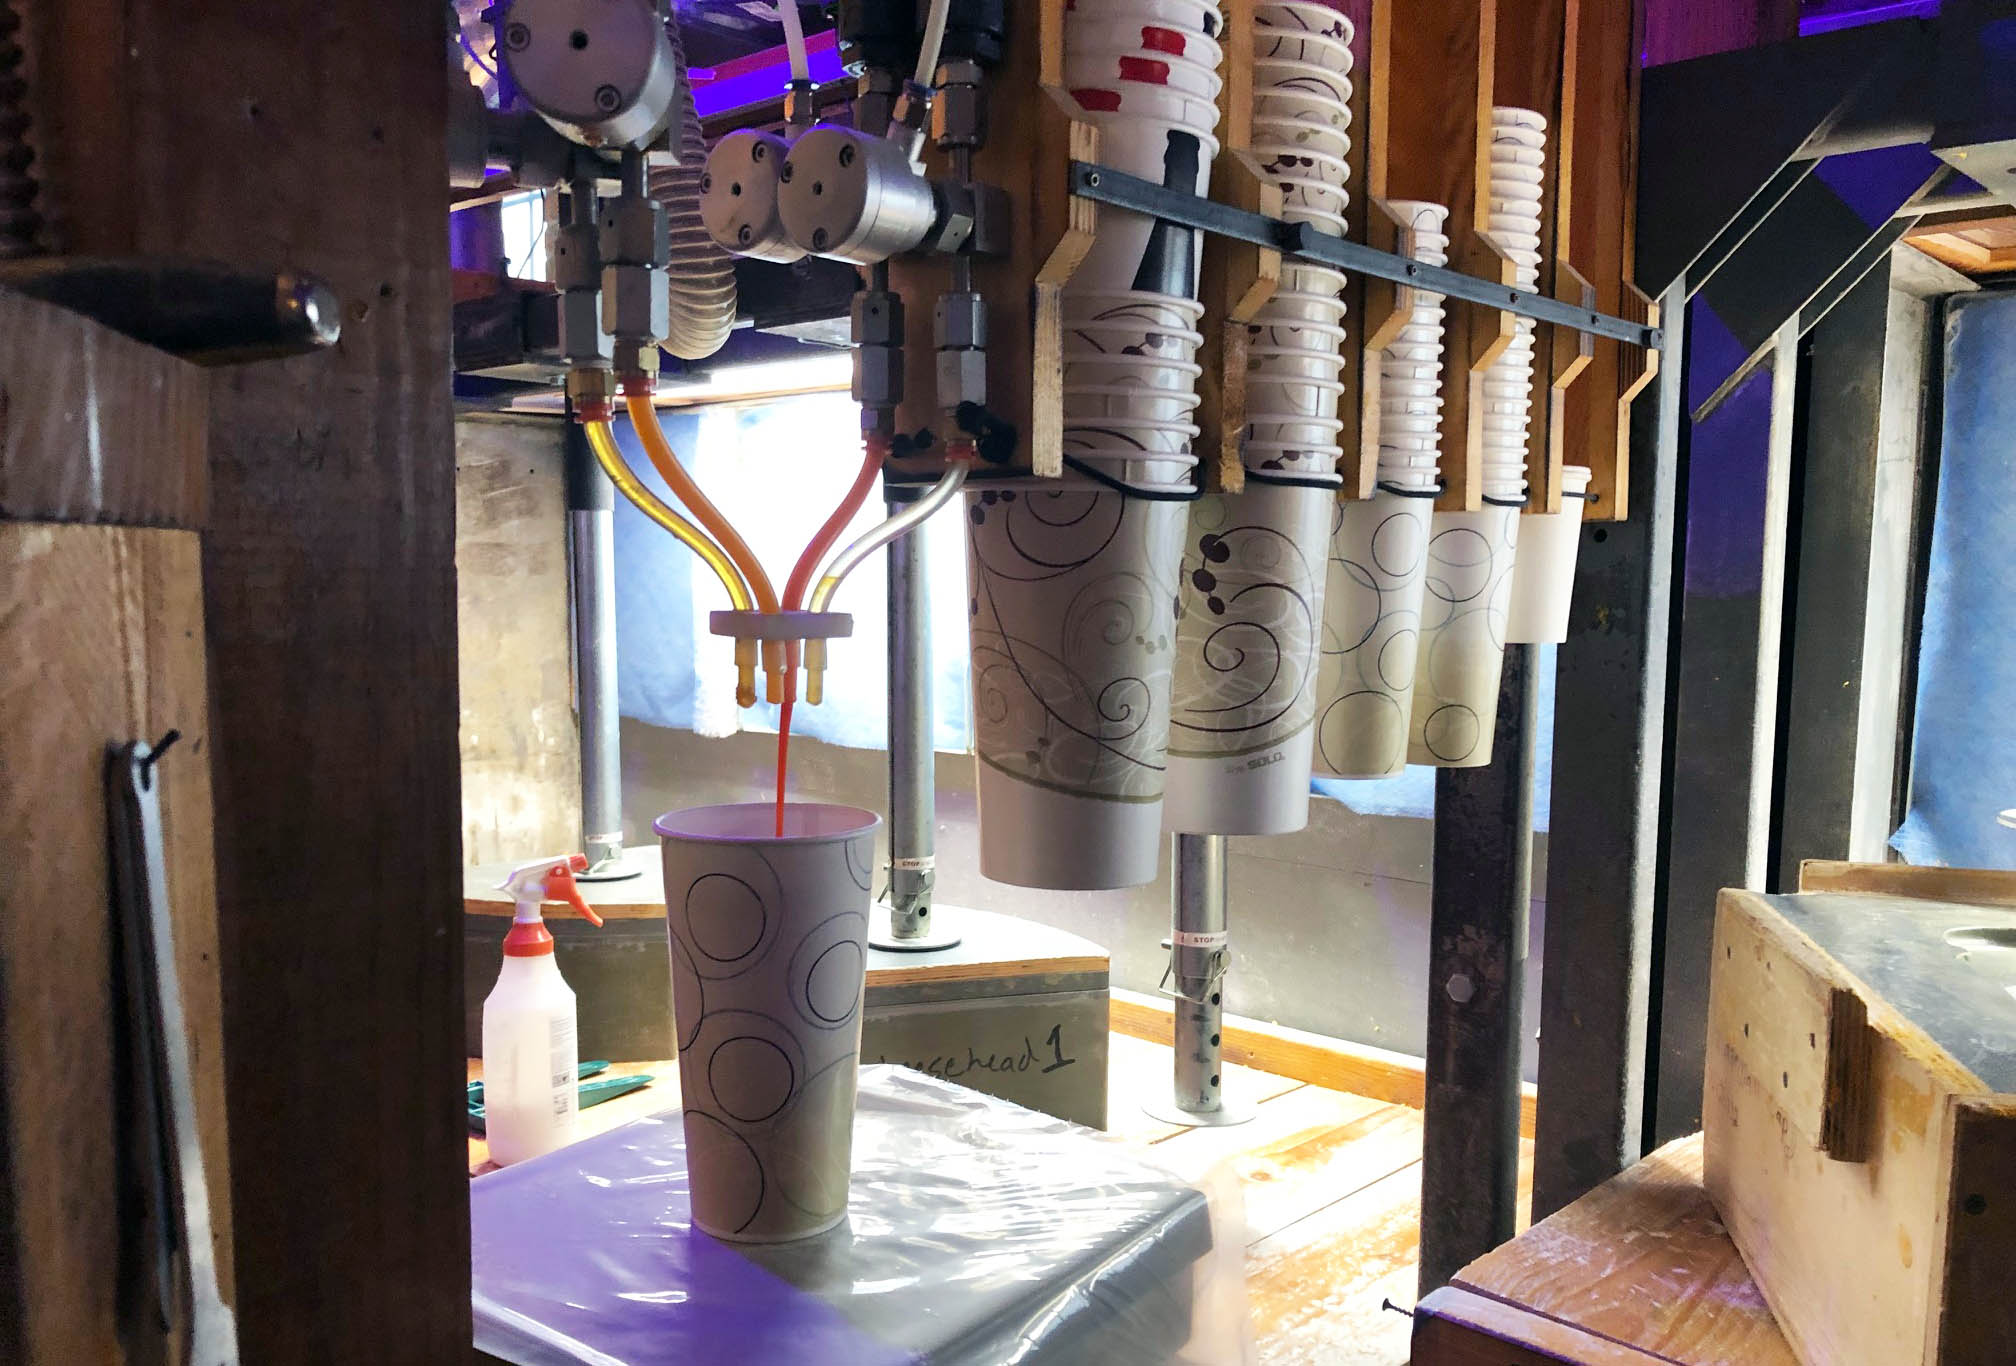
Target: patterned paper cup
(1088, 31)
(1303, 161)
(1371, 627)
(1130, 437)
(1142, 470)
(1297, 397)
(1245, 686)
(1463, 609)
(1299, 107)
(1311, 78)
(1091, 66)
(1302, 134)
(1073, 621)
(1200, 16)
(1093, 404)
(1544, 578)
(1289, 429)
(769, 946)
(1290, 457)
(1280, 22)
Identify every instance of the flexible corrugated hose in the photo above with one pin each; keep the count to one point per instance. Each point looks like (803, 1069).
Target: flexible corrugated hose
(702, 274)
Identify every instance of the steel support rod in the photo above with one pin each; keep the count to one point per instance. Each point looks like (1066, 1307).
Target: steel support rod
(912, 789)
(1108, 186)
(591, 566)
(1198, 945)
(1483, 882)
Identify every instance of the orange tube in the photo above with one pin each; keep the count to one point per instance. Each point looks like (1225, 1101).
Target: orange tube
(801, 573)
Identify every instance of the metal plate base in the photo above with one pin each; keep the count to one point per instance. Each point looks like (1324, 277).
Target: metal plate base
(1228, 1113)
(631, 864)
(942, 934)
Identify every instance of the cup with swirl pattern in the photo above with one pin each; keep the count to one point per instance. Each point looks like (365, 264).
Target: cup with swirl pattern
(769, 942)
(1072, 609)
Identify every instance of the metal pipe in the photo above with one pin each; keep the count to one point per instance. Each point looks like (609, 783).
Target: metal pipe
(912, 789)
(1483, 884)
(591, 564)
(1198, 952)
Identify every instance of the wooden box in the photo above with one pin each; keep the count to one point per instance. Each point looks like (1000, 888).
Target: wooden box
(1860, 1112)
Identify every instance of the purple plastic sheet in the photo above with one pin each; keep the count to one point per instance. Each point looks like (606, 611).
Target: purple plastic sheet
(977, 1232)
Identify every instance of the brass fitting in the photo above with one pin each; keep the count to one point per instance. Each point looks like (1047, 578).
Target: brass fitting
(592, 391)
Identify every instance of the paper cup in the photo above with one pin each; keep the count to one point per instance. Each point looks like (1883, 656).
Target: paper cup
(1092, 404)
(1303, 32)
(1268, 429)
(1543, 577)
(769, 947)
(1250, 608)
(1463, 607)
(1171, 310)
(1085, 31)
(1293, 397)
(1271, 361)
(1371, 628)
(1142, 471)
(1301, 108)
(1305, 277)
(1281, 74)
(1073, 622)
(1290, 457)
(1134, 371)
(1095, 67)
(1294, 163)
(1091, 340)
(1300, 135)
(1129, 437)
(1202, 16)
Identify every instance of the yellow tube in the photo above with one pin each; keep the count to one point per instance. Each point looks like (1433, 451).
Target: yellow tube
(644, 417)
(603, 440)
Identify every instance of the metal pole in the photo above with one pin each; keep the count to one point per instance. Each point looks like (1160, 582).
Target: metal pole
(912, 788)
(1483, 882)
(1198, 953)
(591, 566)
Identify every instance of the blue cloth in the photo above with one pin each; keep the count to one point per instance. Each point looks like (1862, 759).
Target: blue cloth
(1963, 748)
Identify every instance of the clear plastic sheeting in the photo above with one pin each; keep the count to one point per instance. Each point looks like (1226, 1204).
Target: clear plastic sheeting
(978, 1234)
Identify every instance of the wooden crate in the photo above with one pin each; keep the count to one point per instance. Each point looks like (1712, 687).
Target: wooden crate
(1860, 1112)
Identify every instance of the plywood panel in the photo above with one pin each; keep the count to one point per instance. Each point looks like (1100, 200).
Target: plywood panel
(101, 642)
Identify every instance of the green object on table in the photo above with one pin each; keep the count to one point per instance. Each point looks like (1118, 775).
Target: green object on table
(590, 1092)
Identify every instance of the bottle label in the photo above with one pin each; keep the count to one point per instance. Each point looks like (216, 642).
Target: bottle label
(562, 1065)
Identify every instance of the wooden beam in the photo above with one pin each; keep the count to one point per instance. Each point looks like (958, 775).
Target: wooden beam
(1438, 79)
(329, 582)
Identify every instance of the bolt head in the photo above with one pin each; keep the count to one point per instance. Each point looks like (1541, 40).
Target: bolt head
(847, 154)
(517, 36)
(786, 173)
(608, 98)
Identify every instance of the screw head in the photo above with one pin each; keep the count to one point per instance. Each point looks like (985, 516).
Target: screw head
(785, 173)
(706, 182)
(759, 151)
(847, 155)
(744, 234)
(819, 239)
(608, 98)
(516, 37)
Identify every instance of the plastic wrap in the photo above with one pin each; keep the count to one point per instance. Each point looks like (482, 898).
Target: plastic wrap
(978, 1233)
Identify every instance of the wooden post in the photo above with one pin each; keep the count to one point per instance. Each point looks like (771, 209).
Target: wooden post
(1438, 80)
(329, 590)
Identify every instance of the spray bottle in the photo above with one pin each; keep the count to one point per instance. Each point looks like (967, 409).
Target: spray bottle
(529, 1052)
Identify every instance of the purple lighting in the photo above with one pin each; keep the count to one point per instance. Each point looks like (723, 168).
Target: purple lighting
(763, 75)
(1826, 18)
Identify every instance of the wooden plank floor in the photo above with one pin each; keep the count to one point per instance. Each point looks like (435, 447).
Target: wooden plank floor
(1332, 1187)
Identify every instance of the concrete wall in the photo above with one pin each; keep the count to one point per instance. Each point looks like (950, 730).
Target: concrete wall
(1329, 927)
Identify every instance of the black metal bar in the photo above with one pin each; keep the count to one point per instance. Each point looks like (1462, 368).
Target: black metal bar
(1483, 884)
(1105, 185)
(1603, 838)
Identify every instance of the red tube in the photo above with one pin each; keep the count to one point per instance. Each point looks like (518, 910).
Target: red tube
(877, 449)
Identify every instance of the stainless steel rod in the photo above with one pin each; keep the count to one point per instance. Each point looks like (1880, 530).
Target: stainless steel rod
(591, 572)
(1198, 946)
(912, 790)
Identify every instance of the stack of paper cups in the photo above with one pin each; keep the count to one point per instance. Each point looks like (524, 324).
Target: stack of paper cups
(1378, 545)
(1301, 114)
(1472, 555)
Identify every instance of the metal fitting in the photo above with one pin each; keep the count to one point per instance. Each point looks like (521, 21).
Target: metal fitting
(634, 231)
(635, 362)
(908, 119)
(952, 221)
(878, 318)
(801, 111)
(959, 114)
(878, 377)
(636, 302)
(875, 99)
(959, 326)
(577, 259)
(592, 391)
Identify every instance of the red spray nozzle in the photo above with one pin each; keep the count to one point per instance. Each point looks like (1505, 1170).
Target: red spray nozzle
(560, 886)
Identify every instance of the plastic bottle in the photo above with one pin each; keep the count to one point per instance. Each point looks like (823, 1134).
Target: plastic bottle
(529, 1052)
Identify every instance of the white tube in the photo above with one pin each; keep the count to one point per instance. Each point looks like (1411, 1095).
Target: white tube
(794, 40)
(849, 559)
(701, 276)
(934, 39)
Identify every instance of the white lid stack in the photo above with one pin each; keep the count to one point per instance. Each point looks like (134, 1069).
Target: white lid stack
(1518, 168)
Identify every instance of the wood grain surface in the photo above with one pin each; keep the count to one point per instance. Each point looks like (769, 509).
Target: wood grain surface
(101, 642)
